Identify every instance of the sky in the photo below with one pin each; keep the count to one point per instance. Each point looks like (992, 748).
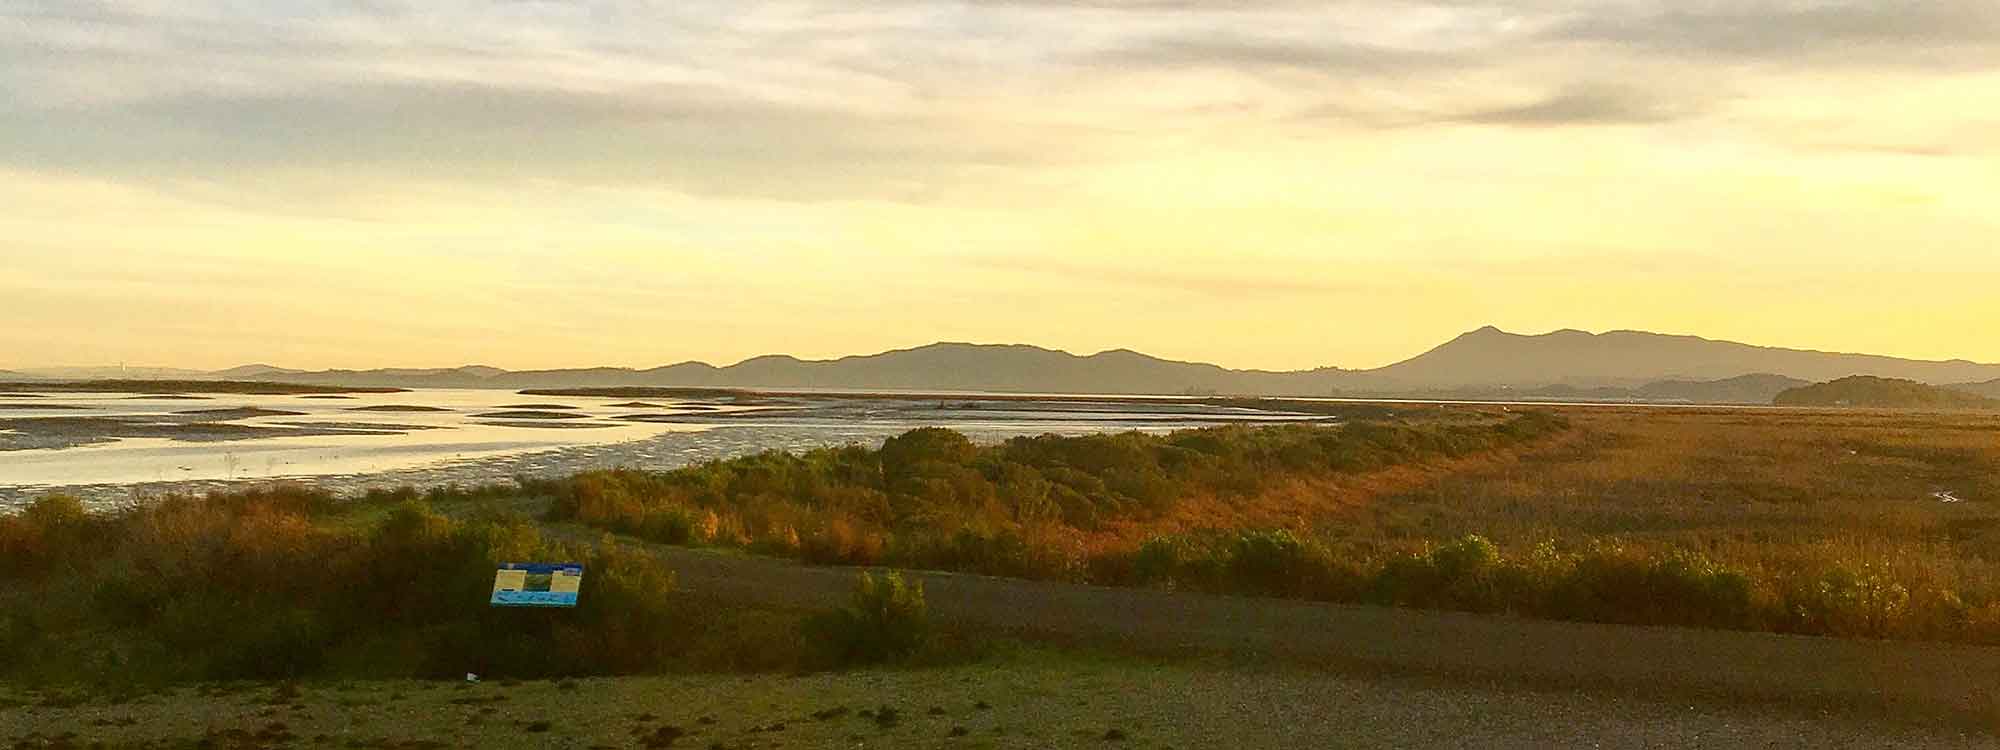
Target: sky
(1258, 183)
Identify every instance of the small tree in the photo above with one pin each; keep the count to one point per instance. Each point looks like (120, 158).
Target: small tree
(886, 621)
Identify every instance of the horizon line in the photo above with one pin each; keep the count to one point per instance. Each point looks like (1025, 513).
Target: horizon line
(29, 369)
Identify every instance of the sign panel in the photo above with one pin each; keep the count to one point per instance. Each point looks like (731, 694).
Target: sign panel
(537, 585)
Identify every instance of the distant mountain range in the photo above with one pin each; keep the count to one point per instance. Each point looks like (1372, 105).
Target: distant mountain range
(1486, 363)
(945, 366)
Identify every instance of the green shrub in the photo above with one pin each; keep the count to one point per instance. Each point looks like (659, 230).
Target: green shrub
(1274, 563)
(668, 526)
(1610, 584)
(1157, 561)
(1464, 574)
(53, 513)
(1843, 602)
(887, 621)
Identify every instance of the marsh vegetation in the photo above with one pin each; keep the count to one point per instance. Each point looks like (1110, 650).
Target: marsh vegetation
(1814, 523)
(1798, 522)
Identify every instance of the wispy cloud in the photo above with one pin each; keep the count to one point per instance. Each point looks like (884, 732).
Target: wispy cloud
(1803, 32)
(1581, 106)
(892, 99)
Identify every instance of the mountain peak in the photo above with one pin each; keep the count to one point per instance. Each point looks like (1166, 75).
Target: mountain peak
(1483, 333)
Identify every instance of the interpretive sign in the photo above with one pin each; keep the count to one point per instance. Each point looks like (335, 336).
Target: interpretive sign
(537, 585)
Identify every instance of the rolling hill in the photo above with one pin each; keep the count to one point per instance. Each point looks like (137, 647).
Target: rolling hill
(1864, 391)
(1492, 356)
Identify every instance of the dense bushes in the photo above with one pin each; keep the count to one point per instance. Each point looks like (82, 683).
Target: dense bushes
(931, 497)
(1276, 563)
(1603, 582)
(266, 585)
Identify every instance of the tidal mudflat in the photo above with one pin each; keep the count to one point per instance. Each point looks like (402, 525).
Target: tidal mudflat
(110, 447)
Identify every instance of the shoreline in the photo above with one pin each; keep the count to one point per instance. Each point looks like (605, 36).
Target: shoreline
(662, 452)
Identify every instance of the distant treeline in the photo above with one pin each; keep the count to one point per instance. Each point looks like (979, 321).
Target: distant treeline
(1882, 393)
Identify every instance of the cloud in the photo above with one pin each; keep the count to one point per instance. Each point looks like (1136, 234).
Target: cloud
(890, 99)
(698, 139)
(1845, 32)
(702, 97)
(1240, 53)
(1579, 106)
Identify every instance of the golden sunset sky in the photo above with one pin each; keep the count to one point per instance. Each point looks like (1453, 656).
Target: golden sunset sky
(1257, 183)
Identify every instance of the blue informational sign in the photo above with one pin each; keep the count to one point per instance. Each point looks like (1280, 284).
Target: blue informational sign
(537, 585)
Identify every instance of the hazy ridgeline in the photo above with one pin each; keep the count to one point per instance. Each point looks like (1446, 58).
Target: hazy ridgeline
(1803, 523)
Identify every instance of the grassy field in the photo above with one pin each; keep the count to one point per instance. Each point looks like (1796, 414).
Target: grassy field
(1026, 699)
(1834, 518)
